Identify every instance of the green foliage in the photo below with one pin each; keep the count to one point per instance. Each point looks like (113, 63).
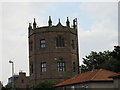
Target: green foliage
(10, 86)
(116, 52)
(45, 84)
(109, 60)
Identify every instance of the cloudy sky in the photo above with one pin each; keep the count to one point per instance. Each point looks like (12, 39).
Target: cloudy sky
(97, 27)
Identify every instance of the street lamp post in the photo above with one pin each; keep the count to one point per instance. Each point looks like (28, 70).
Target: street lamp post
(12, 72)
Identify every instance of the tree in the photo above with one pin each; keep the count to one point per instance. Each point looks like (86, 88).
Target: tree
(109, 60)
(95, 60)
(116, 55)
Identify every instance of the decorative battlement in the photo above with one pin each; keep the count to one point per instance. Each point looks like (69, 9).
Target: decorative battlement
(74, 26)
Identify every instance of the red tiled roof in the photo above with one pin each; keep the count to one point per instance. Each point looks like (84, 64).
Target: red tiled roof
(96, 75)
(115, 75)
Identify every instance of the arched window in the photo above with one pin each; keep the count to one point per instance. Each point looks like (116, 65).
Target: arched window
(72, 44)
(60, 41)
(74, 67)
(61, 65)
(31, 68)
(31, 45)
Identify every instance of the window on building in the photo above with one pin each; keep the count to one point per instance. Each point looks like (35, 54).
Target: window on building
(72, 43)
(43, 67)
(72, 87)
(31, 68)
(42, 43)
(60, 41)
(30, 45)
(27, 86)
(61, 65)
(22, 81)
(74, 67)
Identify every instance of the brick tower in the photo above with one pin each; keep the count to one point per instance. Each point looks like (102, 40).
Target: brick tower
(53, 52)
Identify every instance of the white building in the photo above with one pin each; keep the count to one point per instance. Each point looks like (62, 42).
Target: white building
(116, 80)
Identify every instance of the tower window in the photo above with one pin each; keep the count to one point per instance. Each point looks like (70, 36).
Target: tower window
(43, 67)
(31, 45)
(72, 43)
(74, 67)
(42, 43)
(31, 68)
(61, 66)
(60, 41)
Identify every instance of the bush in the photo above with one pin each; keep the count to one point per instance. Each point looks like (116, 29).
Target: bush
(45, 84)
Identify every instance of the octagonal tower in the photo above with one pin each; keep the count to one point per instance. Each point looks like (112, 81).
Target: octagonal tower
(53, 52)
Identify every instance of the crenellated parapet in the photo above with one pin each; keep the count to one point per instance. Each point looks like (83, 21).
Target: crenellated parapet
(53, 28)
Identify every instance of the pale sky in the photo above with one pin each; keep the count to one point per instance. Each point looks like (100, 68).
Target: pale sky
(97, 27)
